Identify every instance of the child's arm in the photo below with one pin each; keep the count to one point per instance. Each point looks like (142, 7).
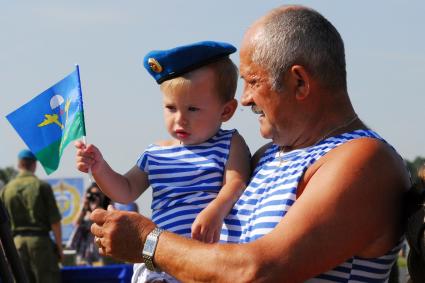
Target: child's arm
(120, 188)
(207, 225)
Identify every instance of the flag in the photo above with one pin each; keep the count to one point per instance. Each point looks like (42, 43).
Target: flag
(51, 120)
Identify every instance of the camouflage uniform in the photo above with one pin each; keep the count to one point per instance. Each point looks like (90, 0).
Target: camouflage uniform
(32, 209)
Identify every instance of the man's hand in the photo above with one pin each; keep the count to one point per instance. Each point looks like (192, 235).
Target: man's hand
(122, 234)
(60, 253)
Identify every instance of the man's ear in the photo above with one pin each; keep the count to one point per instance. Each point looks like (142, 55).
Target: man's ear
(229, 109)
(301, 80)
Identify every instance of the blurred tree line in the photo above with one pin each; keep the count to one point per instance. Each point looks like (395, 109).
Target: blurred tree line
(413, 167)
(6, 174)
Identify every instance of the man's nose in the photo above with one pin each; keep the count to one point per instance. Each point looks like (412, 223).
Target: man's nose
(246, 99)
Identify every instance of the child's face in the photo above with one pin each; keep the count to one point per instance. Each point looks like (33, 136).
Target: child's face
(194, 113)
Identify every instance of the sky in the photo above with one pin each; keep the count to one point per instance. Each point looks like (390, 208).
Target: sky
(43, 40)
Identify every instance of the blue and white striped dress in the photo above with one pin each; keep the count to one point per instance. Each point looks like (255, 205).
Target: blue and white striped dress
(270, 195)
(185, 179)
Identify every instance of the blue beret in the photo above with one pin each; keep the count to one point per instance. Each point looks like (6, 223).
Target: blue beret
(26, 154)
(163, 65)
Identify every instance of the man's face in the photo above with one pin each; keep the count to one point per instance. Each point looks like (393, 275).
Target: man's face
(270, 105)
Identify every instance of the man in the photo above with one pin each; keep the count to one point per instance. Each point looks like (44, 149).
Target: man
(33, 212)
(325, 200)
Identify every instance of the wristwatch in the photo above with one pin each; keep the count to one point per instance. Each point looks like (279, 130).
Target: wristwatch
(149, 248)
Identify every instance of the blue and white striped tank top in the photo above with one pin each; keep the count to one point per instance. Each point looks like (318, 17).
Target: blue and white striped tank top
(185, 179)
(271, 193)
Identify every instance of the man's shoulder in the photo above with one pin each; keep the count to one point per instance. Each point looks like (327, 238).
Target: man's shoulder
(364, 147)
(34, 179)
(364, 155)
(16, 181)
(44, 184)
(29, 182)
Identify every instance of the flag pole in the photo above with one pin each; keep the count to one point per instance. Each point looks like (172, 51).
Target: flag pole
(83, 118)
(90, 173)
(81, 99)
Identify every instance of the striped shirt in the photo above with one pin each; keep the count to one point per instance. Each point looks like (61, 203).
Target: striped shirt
(185, 179)
(271, 193)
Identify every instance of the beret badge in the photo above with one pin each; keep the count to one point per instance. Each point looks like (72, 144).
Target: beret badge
(154, 65)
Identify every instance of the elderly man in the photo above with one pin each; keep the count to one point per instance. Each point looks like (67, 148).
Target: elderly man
(325, 199)
(33, 212)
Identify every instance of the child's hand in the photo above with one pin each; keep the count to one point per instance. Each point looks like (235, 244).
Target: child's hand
(88, 157)
(207, 226)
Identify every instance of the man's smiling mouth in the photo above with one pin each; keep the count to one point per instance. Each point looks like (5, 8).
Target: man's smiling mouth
(256, 109)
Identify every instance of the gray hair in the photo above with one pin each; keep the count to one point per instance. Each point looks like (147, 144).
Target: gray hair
(299, 35)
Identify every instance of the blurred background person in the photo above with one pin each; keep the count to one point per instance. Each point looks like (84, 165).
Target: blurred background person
(82, 240)
(33, 212)
(416, 229)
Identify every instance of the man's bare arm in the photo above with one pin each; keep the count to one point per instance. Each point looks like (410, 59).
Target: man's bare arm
(351, 205)
(57, 233)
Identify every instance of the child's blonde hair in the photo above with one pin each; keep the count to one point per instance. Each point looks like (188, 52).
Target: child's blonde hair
(226, 78)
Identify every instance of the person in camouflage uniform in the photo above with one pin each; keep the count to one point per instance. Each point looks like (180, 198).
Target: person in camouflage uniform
(33, 212)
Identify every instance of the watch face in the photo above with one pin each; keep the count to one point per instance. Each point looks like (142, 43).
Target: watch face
(149, 247)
